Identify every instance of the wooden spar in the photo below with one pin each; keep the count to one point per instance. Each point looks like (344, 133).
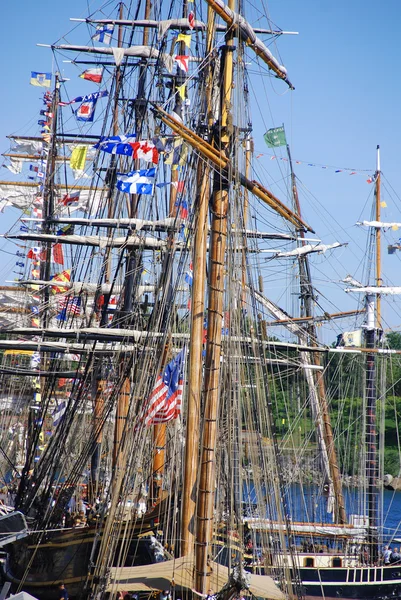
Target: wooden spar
(378, 240)
(36, 157)
(218, 239)
(325, 317)
(323, 409)
(197, 327)
(223, 163)
(198, 26)
(234, 22)
(56, 186)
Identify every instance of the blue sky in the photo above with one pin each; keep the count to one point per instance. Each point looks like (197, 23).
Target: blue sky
(344, 65)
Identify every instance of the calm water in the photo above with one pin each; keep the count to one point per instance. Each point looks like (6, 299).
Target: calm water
(307, 504)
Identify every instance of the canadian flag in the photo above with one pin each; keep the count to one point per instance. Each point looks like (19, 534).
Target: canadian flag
(145, 150)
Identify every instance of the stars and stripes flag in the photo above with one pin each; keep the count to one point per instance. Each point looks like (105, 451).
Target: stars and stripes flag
(70, 305)
(164, 402)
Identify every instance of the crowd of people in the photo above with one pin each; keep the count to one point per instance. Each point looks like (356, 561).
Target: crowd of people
(391, 556)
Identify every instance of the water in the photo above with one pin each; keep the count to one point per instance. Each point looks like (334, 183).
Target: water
(307, 504)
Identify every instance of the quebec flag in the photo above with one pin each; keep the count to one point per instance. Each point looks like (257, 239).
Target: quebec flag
(137, 182)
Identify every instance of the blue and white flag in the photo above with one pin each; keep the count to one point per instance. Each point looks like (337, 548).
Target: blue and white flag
(86, 111)
(103, 33)
(59, 413)
(137, 182)
(118, 144)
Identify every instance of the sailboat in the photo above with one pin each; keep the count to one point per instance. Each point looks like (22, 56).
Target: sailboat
(141, 371)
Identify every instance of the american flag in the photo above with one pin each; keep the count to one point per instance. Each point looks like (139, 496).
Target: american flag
(71, 305)
(164, 403)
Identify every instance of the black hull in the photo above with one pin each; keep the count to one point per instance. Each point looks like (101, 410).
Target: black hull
(352, 583)
(63, 556)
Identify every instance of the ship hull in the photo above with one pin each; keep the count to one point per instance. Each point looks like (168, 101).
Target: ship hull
(62, 556)
(353, 583)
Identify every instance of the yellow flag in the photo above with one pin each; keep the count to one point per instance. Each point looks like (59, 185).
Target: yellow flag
(184, 37)
(394, 227)
(178, 154)
(383, 204)
(78, 158)
(181, 91)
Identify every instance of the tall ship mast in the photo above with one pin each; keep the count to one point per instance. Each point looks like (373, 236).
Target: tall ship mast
(157, 433)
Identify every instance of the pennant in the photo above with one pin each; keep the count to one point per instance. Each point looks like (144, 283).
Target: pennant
(86, 111)
(275, 137)
(41, 79)
(95, 75)
(189, 277)
(350, 338)
(164, 403)
(58, 254)
(66, 230)
(181, 90)
(63, 277)
(59, 413)
(77, 160)
(186, 38)
(182, 62)
(191, 20)
(103, 33)
(35, 253)
(137, 182)
(70, 198)
(177, 155)
(87, 98)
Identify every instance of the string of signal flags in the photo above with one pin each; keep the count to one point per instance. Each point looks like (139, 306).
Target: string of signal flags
(275, 138)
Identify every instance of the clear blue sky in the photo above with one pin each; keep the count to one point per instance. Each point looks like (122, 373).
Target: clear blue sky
(344, 65)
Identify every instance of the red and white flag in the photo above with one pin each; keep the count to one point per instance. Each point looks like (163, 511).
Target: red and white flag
(58, 254)
(182, 62)
(94, 75)
(191, 20)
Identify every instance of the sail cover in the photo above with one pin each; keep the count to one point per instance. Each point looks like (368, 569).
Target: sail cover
(180, 571)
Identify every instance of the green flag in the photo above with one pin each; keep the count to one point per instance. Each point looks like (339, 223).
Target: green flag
(275, 137)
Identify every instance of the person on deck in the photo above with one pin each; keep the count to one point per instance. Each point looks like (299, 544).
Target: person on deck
(395, 556)
(387, 552)
(62, 592)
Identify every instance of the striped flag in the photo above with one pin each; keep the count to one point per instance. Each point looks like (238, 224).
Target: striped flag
(59, 413)
(164, 403)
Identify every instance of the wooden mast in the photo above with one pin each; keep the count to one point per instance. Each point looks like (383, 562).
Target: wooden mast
(327, 430)
(378, 238)
(197, 328)
(218, 238)
(373, 324)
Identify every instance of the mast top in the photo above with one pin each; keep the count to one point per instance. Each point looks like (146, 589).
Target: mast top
(378, 159)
